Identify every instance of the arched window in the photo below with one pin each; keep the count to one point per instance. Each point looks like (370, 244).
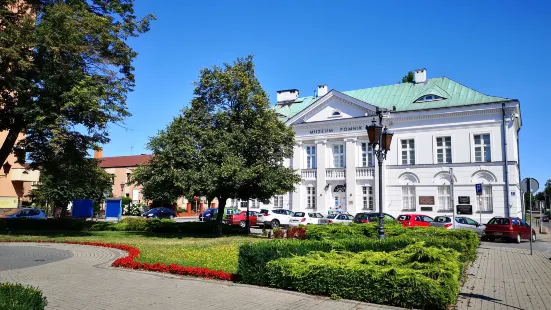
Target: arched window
(336, 113)
(431, 97)
(409, 197)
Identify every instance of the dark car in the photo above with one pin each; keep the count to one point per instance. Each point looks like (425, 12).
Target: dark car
(371, 217)
(545, 218)
(207, 215)
(27, 213)
(160, 213)
(511, 228)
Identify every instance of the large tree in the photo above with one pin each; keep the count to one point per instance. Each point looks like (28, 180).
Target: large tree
(228, 143)
(65, 71)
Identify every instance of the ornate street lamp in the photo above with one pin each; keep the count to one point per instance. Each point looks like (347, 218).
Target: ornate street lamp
(382, 138)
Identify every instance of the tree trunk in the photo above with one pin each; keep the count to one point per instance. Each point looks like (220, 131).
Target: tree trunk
(220, 215)
(7, 146)
(63, 210)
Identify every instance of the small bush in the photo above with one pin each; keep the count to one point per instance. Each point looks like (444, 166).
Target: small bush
(278, 233)
(415, 277)
(341, 231)
(133, 224)
(296, 233)
(19, 297)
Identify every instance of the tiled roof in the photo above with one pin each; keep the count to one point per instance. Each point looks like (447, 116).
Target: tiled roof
(124, 161)
(403, 97)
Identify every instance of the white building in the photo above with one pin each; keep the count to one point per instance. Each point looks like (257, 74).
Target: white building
(438, 124)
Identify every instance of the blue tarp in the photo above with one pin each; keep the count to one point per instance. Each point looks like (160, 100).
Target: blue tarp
(113, 208)
(83, 208)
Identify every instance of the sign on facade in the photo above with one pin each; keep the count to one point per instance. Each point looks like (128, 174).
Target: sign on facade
(426, 208)
(464, 209)
(464, 200)
(426, 200)
(8, 202)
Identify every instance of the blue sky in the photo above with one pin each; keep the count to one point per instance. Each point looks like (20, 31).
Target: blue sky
(500, 48)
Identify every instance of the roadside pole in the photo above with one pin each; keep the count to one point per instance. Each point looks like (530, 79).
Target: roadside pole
(529, 185)
(478, 188)
(451, 197)
(530, 214)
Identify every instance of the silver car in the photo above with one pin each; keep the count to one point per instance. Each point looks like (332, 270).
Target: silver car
(337, 218)
(461, 222)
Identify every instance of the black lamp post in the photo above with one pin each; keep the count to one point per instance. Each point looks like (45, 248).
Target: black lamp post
(382, 138)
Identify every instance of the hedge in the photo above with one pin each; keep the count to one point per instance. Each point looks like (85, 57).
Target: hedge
(19, 297)
(136, 224)
(253, 257)
(415, 277)
(341, 231)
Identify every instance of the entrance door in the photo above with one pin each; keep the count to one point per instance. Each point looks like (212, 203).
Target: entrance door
(339, 200)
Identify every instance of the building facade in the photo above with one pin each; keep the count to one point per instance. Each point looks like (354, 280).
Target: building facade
(438, 124)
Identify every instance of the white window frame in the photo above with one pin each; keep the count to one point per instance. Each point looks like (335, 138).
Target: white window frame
(367, 155)
(278, 201)
(409, 149)
(341, 155)
(368, 199)
(487, 199)
(483, 147)
(310, 157)
(445, 150)
(409, 198)
(444, 201)
(311, 197)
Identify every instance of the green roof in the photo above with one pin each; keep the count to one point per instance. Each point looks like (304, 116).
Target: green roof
(403, 97)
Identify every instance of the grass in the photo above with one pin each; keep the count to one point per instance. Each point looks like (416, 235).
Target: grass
(208, 252)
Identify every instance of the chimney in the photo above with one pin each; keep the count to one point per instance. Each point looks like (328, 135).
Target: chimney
(98, 153)
(420, 76)
(322, 90)
(287, 95)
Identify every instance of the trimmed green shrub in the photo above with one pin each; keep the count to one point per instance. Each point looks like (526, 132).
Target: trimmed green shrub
(415, 277)
(341, 231)
(133, 224)
(19, 297)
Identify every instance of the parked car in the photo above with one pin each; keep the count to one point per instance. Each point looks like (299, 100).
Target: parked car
(207, 214)
(160, 213)
(461, 222)
(511, 228)
(545, 218)
(27, 213)
(369, 217)
(227, 211)
(337, 218)
(241, 219)
(274, 218)
(305, 218)
(412, 220)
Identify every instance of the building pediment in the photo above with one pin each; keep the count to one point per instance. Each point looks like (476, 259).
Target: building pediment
(333, 106)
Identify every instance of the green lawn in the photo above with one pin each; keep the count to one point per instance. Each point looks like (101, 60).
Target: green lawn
(213, 253)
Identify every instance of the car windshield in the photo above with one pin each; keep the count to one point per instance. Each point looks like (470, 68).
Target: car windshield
(499, 221)
(298, 214)
(442, 219)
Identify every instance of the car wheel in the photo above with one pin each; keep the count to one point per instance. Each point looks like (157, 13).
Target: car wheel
(274, 224)
(519, 239)
(491, 239)
(533, 237)
(242, 224)
(484, 238)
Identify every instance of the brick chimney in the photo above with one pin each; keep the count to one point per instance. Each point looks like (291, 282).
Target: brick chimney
(98, 153)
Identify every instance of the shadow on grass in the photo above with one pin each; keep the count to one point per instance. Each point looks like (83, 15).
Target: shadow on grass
(120, 234)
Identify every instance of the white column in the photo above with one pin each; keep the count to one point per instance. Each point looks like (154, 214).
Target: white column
(350, 154)
(321, 202)
(296, 163)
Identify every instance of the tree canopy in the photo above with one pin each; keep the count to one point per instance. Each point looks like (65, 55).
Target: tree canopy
(408, 78)
(65, 71)
(228, 143)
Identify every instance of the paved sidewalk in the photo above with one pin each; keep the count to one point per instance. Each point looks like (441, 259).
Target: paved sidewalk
(80, 277)
(507, 278)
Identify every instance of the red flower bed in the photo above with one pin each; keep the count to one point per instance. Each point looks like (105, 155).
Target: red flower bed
(133, 253)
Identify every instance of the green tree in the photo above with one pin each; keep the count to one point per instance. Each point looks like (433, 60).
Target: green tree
(65, 69)
(228, 143)
(68, 176)
(408, 78)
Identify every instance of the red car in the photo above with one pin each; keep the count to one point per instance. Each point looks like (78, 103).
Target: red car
(511, 228)
(241, 219)
(411, 220)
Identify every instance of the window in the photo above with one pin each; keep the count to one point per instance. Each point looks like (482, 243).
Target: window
(486, 201)
(444, 150)
(311, 197)
(113, 179)
(278, 201)
(471, 222)
(482, 148)
(338, 156)
(367, 155)
(254, 203)
(127, 178)
(408, 152)
(444, 198)
(336, 113)
(310, 157)
(367, 193)
(408, 198)
(431, 97)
